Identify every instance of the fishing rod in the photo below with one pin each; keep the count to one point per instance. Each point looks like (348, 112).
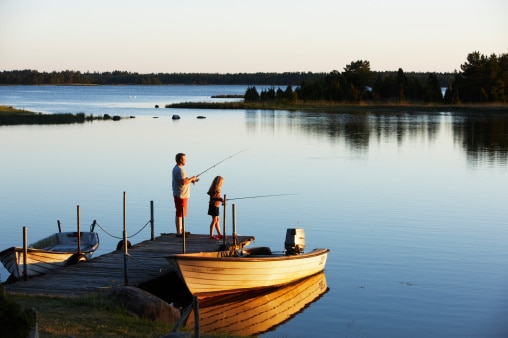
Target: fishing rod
(259, 196)
(216, 164)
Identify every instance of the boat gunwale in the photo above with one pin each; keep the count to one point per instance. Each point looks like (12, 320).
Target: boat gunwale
(20, 249)
(254, 258)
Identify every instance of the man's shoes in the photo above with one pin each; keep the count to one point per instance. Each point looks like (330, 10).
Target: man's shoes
(187, 233)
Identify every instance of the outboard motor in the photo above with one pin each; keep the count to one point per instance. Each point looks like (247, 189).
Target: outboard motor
(295, 241)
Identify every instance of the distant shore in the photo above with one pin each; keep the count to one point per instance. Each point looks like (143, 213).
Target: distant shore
(345, 107)
(13, 116)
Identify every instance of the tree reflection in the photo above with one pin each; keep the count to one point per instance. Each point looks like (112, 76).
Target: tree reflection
(484, 138)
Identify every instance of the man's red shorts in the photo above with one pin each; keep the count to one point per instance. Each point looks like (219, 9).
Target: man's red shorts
(181, 203)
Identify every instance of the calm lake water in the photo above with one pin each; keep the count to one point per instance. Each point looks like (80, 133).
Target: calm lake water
(412, 206)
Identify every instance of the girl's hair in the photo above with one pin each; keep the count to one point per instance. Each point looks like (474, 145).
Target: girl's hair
(216, 183)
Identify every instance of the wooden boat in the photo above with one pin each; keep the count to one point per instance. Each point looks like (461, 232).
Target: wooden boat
(254, 313)
(209, 273)
(54, 251)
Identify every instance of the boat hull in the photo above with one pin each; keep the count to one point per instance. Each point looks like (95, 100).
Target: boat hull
(206, 274)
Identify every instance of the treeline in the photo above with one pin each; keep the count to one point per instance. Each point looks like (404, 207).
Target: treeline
(482, 79)
(33, 77)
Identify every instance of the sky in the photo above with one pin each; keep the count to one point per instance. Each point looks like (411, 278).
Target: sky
(237, 36)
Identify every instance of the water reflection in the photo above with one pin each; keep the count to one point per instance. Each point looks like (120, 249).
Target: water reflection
(485, 140)
(483, 137)
(254, 313)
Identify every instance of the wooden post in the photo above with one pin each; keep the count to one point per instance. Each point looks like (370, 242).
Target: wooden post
(125, 252)
(183, 317)
(25, 252)
(234, 225)
(196, 317)
(184, 248)
(224, 222)
(152, 236)
(79, 231)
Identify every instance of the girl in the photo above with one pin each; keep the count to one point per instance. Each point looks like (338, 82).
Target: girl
(213, 206)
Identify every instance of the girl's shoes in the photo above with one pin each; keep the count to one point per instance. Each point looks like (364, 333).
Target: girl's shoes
(217, 237)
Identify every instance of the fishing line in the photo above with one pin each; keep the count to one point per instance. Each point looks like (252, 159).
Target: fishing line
(259, 196)
(216, 164)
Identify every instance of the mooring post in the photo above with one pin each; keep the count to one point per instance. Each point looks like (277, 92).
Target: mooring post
(25, 252)
(196, 316)
(152, 236)
(183, 317)
(79, 231)
(234, 225)
(125, 252)
(224, 222)
(184, 248)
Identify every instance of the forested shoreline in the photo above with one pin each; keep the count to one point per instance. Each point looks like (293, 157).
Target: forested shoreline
(68, 77)
(481, 80)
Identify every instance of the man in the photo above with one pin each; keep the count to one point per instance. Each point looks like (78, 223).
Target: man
(181, 190)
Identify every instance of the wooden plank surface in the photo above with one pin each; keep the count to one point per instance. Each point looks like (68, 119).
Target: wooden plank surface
(145, 262)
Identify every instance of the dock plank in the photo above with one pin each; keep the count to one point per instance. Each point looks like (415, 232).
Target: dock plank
(145, 262)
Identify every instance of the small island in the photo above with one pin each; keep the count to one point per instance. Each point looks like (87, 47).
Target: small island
(13, 116)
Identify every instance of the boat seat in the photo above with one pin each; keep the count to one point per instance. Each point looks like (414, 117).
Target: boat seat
(67, 248)
(257, 251)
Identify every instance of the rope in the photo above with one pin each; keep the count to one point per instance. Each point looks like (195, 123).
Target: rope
(140, 230)
(153, 266)
(111, 235)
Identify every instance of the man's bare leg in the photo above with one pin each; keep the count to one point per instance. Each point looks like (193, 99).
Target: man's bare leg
(178, 224)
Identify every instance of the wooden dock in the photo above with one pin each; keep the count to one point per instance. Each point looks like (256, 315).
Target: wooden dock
(145, 262)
